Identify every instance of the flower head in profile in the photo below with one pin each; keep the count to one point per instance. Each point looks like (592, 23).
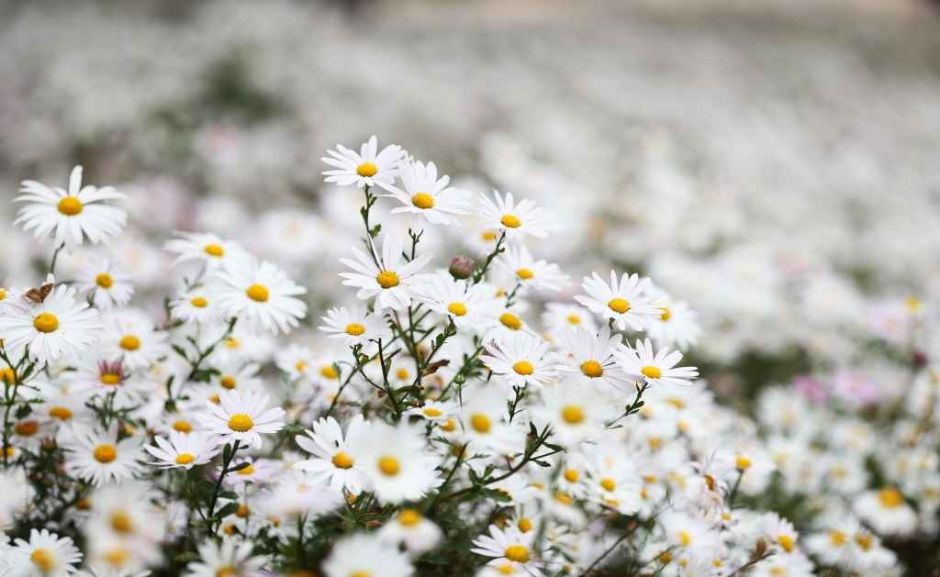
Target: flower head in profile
(362, 554)
(369, 167)
(426, 195)
(242, 417)
(182, 450)
(70, 216)
(206, 249)
(353, 326)
(516, 219)
(521, 360)
(261, 295)
(656, 367)
(226, 559)
(510, 551)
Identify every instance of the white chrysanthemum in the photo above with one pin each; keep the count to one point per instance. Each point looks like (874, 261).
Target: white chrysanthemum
(98, 457)
(559, 316)
(73, 215)
(658, 367)
(130, 335)
(515, 219)
(354, 326)
(106, 285)
(521, 360)
(590, 357)
(44, 555)
(125, 524)
(425, 195)
(260, 295)
(886, 511)
(367, 168)
(228, 559)
(204, 249)
(397, 462)
(242, 417)
(510, 550)
(15, 495)
(622, 300)
(362, 554)
(410, 528)
(575, 415)
(58, 327)
(197, 304)
(333, 460)
(183, 450)
(530, 273)
(391, 281)
(471, 307)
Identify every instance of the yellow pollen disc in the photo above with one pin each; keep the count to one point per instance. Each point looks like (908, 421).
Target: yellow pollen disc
(361, 574)
(573, 319)
(787, 542)
(837, 538)
(199, 302)
(525, 273)
(510, 321)
(110, 379)
(665, 314)
(457, 309)
(402, 374)
(122, 523)
(129, 343)
(510, 221)
(46, 322)
(592, 369)
(481, 423)
(8, 375)
(117, 557)
(651, 372)
(355, 329)
(228, 382)
(215, 398)
(571, 475)
(367, 169)
(3, 294)
(665, 558)
(232, 343)
(618, 305)
(389, 466)
(488, 236)
(240, 423)
(242, 511)
(227, 571)
(431, 412)
(26, 428)
(70, 206)
(517, 553)
(105, 453)
(409, 517)
(61, 413)
(185, 458)
(182, 426)
(423, 200)
(328, 372)
(864, 541)
(524, 525)
(742, 463)
(300, 366)
(258, 293)
(685, 538)
(608, 484)
(104, 280)
(523, 368)
(572, 414)
(342, 460)
(449, 426)
(387, 279)
(890, 498)
(913, 304)
(246, 471)
(215, 250)
(43, 558)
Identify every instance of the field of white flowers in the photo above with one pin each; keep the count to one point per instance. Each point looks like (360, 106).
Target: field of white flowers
(393, 289)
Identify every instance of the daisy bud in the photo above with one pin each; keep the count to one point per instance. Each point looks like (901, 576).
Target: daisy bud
(461, 267)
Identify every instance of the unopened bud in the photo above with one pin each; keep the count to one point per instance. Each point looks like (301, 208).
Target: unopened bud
(461, 267)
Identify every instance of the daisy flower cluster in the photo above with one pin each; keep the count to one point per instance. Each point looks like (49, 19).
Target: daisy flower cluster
(462, 406)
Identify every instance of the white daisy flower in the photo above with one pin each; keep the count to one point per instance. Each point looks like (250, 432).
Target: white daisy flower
(391, 282)
(130, 335)
(886, 511)
(198, 304)
(575, 415)
(367, 168)
(44, 555)
(559, 316)
(98, 457)
(485, 426)
(396, 461)
(656, 368)
(124, 512)
(509, 548)
(467, 306)
(623, 301)
(262, 295)
(333, 461)
(105, 284)
(354, 326)
(425, 195)
(515, 219)
(521, 360)
(183, 450)
(362, 554)
(204, 249)
(590, 357)
(70, 216)
(530, 273)
(294, 360)
(413, 530)
(228, 559)
(242, 417)
(59, 326)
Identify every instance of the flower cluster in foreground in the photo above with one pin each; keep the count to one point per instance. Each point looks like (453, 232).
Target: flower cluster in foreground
(450, 415)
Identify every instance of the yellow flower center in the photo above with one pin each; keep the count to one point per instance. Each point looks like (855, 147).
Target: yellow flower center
(423, 200)
(61, 413)
(665, 314)
(46, 323)
(240, 423)
(42, 557)
(389, 466)
(524, 525)
(523, 368)
(571, 475)
(864, 541)
(26, 428)
(409, 517)
(227, 571)
(837, 538)
(70, 206)
(387, 279)
(301, 366)
(481, 423)
(572, 414)
(129, 342)
(685, 538)
(342, 460)
(328, 372)
(104, 280)
(608, 484)
(651, 372)
(3, 294)
(258, 293)
(199, 302)
(431, 412)
(510, 221)
(117, 557)
(592, 369)
(573, 319)
(105, 453)
(402, 374)
(510, 321)
(122, 523)
(618, 305)
(110, 379)
(449, 426)
(742, 463)
(488, 235)
(185, 458)
(215, 250)
(355, 329)
(361, 574)
(517, 553)
(228, 382)
(182, 426)
(787, 542)
(457, 309)
(367, 169)
(525, 273)
(246, 471)
(890, 498)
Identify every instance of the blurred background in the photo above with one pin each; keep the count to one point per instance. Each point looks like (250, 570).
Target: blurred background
(774, 163)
